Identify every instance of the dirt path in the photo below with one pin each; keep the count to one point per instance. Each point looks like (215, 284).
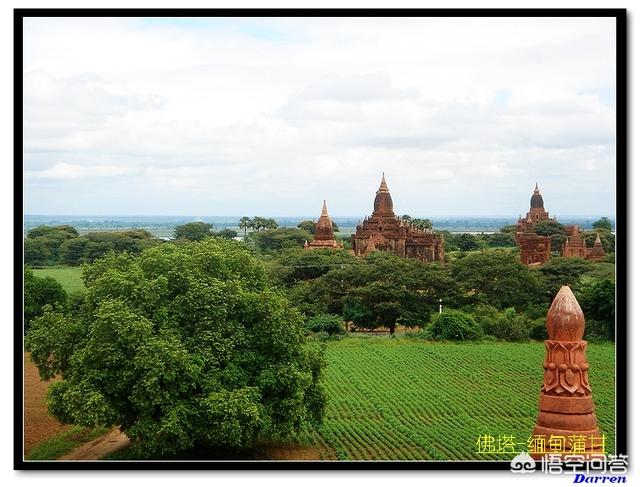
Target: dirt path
(96, 449)
(38, 424)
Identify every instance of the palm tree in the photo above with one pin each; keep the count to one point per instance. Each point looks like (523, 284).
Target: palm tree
(245, 222)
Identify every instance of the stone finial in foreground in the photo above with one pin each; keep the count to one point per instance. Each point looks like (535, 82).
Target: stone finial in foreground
(566, 417)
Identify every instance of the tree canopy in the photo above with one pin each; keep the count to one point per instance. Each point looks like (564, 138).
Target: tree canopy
(182, 347)
(39, 292)
(603, 223)
(310, 226)
(194, 231)
(497, 278)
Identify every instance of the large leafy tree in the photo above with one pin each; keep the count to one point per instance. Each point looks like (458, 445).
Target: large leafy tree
(380, 290)
(182, 347)
(553, 229)
(280, 239)
(598, 301)
(194, 231)
(560, 272)
(296, 264)
(497, 278)
(94, 245)
(43, 244)
(310, 226)
(39, 292)
(603, 224)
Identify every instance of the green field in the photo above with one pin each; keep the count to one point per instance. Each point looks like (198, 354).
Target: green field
(69, 277)
(407, 399)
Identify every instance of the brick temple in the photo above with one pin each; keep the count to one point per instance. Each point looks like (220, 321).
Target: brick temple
(323, 237)
(384, 231)
(534, 249)
(576, 246)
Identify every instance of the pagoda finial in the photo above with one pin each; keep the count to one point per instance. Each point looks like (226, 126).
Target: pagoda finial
(598, 241)
(324, 208)
(383, 184)
(537, 190)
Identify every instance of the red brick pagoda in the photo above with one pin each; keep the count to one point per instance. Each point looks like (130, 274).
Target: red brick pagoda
(323, 237)
(576, 246)
(384, 231)
(534, 249)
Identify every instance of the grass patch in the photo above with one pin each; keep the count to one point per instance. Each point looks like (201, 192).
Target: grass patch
(55, 447)
(69, 277)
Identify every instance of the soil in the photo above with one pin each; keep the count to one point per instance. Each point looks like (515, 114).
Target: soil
(96, 449)
(38, 424)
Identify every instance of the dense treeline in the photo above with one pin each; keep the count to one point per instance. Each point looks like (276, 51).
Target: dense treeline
(63, 245)
(483, 277)
(504, 298)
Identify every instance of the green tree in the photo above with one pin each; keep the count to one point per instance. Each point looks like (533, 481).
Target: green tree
(603, 224)
(94, 245)
(559, 272)
(182, 347)
(499, 239)
(421, 223)
(280, 239)
(42, 244)
(226, 233)
(307, 226)
(466, 241)
(553, 229)
(510, 326)
(39, 292)
(193, 231)
(453, 324)
(326, 323)
(607, 239)
(497, 278)
(245, 223)
(63, 231)
(296, 264)
(598, 301)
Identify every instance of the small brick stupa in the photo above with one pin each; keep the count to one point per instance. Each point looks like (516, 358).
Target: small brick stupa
(323, 237)
(566, 417)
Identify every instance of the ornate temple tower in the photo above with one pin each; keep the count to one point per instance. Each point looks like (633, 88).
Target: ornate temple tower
(384, 231)
(323, 237)
(596, 252)
(534, 249)
(574, 246)
(566, 417)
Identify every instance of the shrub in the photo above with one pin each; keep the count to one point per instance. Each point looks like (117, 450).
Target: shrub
(539, 329)
(511, 326)
(327, 323)
(456, 325)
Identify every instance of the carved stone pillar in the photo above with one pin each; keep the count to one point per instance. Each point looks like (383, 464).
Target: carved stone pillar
(566, 417)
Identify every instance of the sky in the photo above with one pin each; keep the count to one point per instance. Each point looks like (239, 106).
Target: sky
(268, 116)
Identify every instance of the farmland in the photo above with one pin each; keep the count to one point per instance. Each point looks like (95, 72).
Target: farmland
(407, 399)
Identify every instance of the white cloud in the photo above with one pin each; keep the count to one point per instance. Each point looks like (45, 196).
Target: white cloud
(273, 115)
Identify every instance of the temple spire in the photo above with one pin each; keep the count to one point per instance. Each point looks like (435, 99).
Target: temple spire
(383, 184)
(536, 190)
(598, 241)
(324, 208)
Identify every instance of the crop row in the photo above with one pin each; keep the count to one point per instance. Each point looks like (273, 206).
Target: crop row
(400, 399)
